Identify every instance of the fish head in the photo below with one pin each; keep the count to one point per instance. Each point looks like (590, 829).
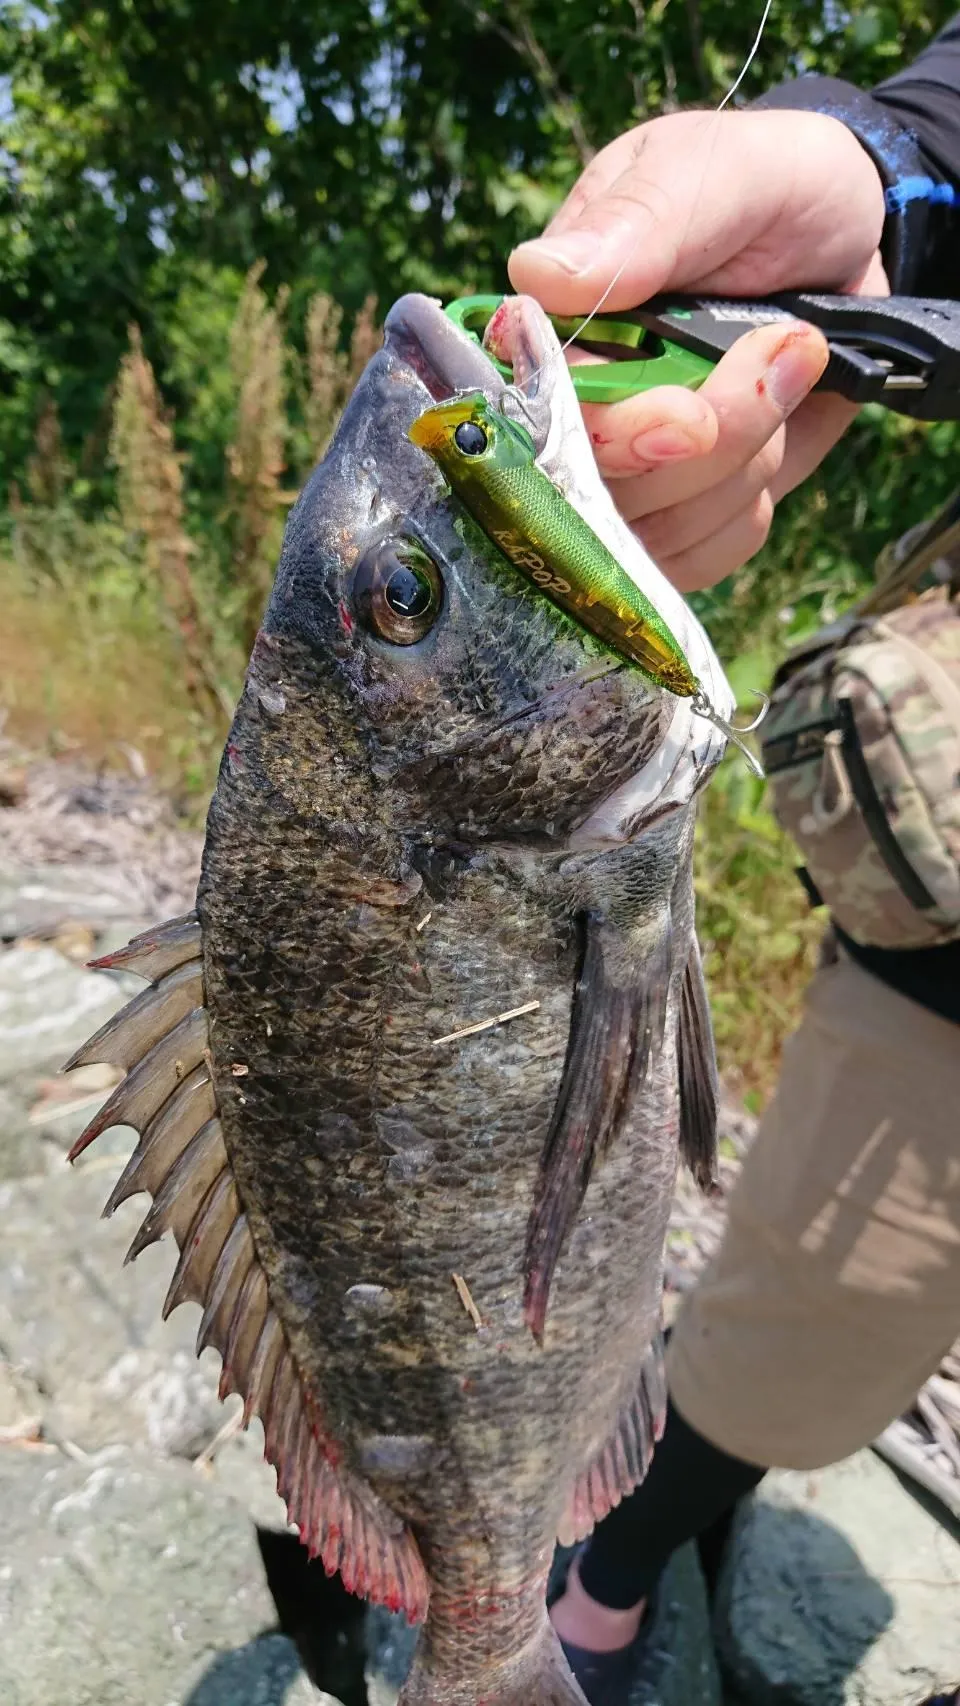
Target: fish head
(480, 709)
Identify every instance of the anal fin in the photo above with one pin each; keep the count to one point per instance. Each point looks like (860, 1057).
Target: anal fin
(339, 1518)
(624, 1458)
(616, 1028)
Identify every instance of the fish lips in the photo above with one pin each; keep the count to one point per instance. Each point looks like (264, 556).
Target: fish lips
(449, 361)
(446, 360)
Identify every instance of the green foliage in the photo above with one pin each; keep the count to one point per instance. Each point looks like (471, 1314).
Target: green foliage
(886, 475)
(192, 337)
(152, 153)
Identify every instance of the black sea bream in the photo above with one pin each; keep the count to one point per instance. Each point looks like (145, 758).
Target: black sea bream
(433, 1267)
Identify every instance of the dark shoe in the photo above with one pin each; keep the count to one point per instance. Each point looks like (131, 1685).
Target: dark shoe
(607, 1679)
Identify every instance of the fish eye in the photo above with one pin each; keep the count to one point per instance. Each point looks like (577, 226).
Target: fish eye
(397, 592)
(470, 438)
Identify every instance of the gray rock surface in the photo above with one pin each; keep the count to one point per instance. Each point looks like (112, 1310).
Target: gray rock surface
(840, 1587)
(38, 900)
(265, 1672)
(677, 1666)
(48, 1007)
(86, 1331)
(126, 1581)
(82, 1334)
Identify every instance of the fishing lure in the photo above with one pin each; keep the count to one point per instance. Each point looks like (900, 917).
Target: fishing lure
(490, 462)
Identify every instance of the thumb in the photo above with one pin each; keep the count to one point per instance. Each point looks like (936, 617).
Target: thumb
(632, 213)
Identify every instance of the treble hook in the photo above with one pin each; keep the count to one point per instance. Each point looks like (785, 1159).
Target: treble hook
(701, 707)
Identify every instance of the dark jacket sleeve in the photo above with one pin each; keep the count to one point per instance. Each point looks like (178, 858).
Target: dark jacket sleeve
(910, 127)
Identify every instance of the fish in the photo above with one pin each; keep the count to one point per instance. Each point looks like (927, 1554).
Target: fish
(411, 1082)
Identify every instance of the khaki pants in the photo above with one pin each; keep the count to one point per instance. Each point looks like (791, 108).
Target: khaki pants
(837, 1286)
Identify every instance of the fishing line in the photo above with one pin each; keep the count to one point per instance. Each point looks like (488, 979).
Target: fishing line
(700, 703)
(751, 56)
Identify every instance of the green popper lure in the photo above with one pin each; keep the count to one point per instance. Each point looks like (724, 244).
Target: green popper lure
(490, 462)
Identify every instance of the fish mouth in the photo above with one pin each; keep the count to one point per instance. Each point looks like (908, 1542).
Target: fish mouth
(520, 335)
(446, 360)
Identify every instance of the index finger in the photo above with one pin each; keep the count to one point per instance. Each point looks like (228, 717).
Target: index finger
(751, 392)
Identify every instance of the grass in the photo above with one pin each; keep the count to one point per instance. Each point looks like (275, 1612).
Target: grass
(758, 935)
(103, 676)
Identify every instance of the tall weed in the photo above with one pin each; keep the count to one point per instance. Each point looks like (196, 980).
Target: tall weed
(150, 497)
(257, 455)
(327, 373)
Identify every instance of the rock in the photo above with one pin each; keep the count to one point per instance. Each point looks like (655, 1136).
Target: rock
(266, 1672)
(390, 1642)
(84, 1343)
(48, 1007)
(21, 1406)
(677, 1667)
(87, 1331)
(125, 1581)
(39, 900)
(840, 1586)
(13, 784)
(239, 1467)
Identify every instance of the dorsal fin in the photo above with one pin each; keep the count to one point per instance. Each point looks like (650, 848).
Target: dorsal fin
(157, 951)
(161, 1038)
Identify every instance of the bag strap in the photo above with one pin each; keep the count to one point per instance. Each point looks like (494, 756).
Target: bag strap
(903, 564)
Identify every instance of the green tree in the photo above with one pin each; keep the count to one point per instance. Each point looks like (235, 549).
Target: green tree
(355, 147)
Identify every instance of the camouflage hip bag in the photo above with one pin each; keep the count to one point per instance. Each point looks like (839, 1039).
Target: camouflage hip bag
(862, 750)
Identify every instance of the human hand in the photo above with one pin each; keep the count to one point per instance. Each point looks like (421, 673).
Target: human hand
(738, 204)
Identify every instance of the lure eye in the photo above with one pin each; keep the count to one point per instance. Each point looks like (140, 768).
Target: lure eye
(470, 438)
(397, 592)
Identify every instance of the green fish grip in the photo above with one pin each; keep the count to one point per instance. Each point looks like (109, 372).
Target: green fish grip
(608, 381)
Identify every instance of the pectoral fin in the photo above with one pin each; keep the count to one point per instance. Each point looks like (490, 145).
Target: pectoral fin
(616, 1027)
(697, 1066)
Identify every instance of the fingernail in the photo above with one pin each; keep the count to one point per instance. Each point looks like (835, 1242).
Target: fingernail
(574, 253)
(662, 444)
(793, 372)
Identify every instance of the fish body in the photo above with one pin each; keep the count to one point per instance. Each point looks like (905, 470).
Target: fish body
(433, 1267)
(490, 462)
